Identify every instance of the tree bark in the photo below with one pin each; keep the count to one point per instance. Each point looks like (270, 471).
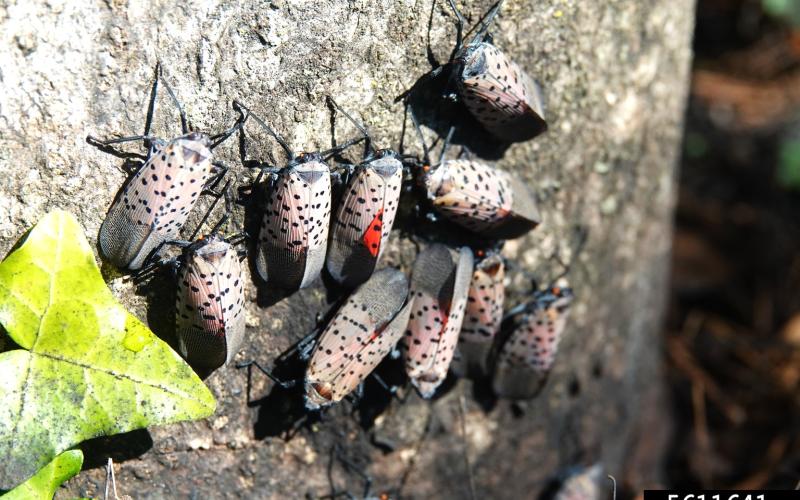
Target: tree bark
(615, 76)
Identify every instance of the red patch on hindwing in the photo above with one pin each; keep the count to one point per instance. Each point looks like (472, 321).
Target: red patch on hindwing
(372, 236)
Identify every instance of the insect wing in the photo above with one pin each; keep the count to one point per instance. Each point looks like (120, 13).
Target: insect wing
(482, 318)
(364, 330)
(524, 215)
(294, 231)
(364, 220)
(525, 358)
(154, 204)
(210, 321)
(439, 291)
(482, 199)
(500, 95)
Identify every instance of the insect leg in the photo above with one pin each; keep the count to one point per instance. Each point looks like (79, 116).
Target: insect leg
(342, 173)
(151, 106)
(349, 465)
(446, 144)
(238, 238)
(613, 484)
(151, 264)
(515, 310)
(218, 139)
(425, 151)
(110, 481)
(329, 153)
(250, 364)
(224, 192)
(104, 143)
(422, 80)
(392, 390)
(130, 165)
(462, 410)
(582, 235)
(220, 169)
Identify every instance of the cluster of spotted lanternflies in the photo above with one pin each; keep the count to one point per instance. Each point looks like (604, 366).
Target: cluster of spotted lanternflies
(446, 317)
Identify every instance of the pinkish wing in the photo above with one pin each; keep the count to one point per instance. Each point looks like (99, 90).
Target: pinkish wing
(367, 195)
(534, 344)
(484, 311)
(156, 201)
(424, 333)
(504, 98)
(477, 196)
(164, 190)
(436, 317)
(364, 330)
(210, 308)
(294, 230)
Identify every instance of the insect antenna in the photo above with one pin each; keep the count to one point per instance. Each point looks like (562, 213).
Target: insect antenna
(151, 106)
(485, 22)
(160, 76)
(368, 148)
(289, 153)
(460, 22)
(429, 51)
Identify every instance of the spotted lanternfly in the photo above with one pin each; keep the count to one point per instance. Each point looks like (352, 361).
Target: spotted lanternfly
(439, 289)
(155, 203)
(483, 199)
(210, 303)
(365, 215)
(364, 330)
(294, 230)
(581, 483)
(482, 318)
(496, 91)
(523, 361)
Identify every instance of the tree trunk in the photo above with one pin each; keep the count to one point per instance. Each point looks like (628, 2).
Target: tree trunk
(614, 74)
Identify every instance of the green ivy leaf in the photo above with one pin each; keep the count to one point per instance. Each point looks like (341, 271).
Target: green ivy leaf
(43, 484)
(90, 368)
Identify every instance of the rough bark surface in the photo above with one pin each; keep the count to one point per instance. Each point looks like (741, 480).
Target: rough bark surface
(615, 78)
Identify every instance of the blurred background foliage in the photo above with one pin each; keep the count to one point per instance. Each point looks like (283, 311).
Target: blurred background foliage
(733, 327)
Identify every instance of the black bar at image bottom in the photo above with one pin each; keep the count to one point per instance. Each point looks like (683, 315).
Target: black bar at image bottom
(722, 495)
